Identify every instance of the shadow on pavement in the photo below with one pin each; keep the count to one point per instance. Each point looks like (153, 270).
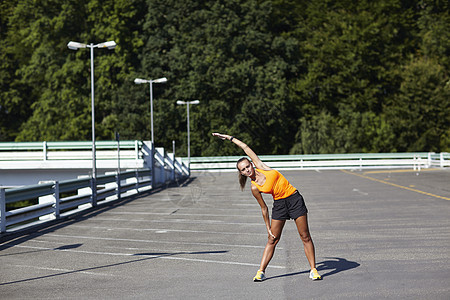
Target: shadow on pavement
(326, 268)
(335, 265)
(146, 256)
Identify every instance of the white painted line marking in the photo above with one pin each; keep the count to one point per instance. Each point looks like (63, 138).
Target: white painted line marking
(360, 192)
(153, 256)
(181, 221)
(61, 270)
(182, 214)
(153, 241)
(164, 230)
(255, 208)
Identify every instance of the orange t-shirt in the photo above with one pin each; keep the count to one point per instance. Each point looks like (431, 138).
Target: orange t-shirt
(276, 184)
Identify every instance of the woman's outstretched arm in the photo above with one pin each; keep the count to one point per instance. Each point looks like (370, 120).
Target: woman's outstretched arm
(255, 159)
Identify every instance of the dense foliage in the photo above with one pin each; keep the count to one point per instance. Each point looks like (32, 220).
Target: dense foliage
(285, 76)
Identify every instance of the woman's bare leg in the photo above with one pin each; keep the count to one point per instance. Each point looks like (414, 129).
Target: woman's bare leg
(303, 230)
(276, 228)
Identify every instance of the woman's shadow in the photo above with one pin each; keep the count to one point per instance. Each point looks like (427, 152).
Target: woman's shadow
(335, 265)
(331, 266)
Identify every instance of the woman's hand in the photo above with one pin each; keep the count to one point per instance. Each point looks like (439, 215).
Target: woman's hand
(222, 136)
(271, 234)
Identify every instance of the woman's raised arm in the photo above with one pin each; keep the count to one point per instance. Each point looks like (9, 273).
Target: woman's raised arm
(255, 159)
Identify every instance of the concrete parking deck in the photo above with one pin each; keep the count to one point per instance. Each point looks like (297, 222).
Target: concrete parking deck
(378, 235)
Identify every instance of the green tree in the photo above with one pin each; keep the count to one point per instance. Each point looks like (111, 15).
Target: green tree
(349, 50)
(286, 76)
(14, 108)
(420, 112)
(223, 54)
(59, 79)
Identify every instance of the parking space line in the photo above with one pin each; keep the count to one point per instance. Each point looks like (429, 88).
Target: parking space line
(181, 221)
(154, 241)
(62, 270)
(182, 214)
(153, 256)
(400, 171)
(396, 185)
(169, 230)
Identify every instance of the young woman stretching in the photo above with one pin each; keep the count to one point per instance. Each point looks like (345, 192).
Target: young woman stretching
(288, 204)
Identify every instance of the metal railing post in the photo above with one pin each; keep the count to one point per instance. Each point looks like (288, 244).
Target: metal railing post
(56, 196)
(118, 185)
(429, 160)
(44, 150)
(136, 172)
(118, 151)
(152, 158)
(165, 158)
(173, 161)
(136, 149)
(2, 210)
(93, 192)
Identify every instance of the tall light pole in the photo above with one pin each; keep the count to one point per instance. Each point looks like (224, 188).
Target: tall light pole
(151, 81)
(75, 46)
(179, 102)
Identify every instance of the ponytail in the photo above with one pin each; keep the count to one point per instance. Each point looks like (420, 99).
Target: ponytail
(242, 178)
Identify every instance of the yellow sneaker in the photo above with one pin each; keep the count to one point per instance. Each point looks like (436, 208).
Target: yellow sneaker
(314, 275)
(259, 276)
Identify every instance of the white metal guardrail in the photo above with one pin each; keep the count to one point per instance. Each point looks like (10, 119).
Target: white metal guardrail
(416, 161)
(69, 159)
(53, 200)
(70, 155)
(80, 194)
(68, 145)
(45, 151)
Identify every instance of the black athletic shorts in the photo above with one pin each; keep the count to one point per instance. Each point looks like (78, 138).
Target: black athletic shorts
(290, 207)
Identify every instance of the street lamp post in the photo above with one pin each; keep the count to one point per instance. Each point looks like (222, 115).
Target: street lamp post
(151, 81)
(75, 46)
(179, 102)
(152, 154)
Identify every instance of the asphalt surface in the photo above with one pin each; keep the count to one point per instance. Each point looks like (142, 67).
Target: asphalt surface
(378, 235)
